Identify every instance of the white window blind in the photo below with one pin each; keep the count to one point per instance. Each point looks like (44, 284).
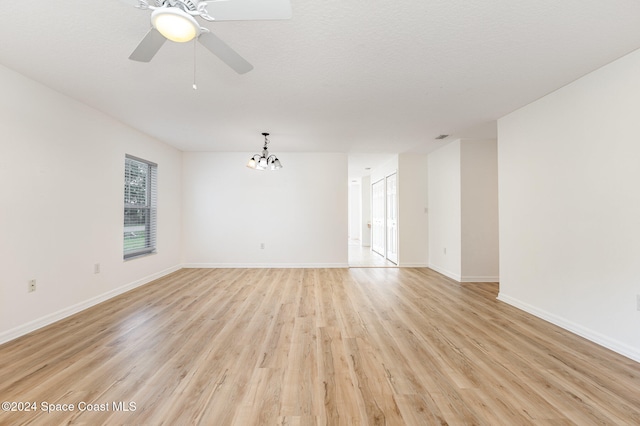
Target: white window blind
(140, 195)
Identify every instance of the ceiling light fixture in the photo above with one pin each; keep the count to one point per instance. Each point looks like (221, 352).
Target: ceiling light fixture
(264, 161)
(175, 24)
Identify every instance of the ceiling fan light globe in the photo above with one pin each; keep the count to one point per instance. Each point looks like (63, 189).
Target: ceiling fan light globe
(175, 24)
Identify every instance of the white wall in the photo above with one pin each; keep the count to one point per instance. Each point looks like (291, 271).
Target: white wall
(444, 218)
(299, 212)
(365, 197)
(412, 204)
(479, 215)
(569, 178)
(61, 209)
(463, 210)
(385, 169)
(355, 210)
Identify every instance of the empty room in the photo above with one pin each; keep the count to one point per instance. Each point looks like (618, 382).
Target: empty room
(261, 212)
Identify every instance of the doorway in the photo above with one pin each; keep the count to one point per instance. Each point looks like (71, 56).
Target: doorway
(367, 247)
(383, 212)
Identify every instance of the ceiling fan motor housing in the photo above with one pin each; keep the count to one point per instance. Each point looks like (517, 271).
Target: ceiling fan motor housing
(187, 5)
(175, 20)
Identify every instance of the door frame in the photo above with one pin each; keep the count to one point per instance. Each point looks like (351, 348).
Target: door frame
(374, 246)
(391, 220)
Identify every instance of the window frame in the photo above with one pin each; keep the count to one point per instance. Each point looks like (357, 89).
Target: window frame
(150, 206)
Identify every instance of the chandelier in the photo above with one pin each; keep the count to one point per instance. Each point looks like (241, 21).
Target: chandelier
(264, 161)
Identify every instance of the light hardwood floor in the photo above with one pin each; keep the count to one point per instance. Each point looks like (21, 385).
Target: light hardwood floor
(315, 346)
(364, 257)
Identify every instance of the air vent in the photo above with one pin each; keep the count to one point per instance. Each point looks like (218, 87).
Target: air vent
(442, 137)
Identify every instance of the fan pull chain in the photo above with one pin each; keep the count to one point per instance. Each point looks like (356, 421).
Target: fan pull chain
(195, 87)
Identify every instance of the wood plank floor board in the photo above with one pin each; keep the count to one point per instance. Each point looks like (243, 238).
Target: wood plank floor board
(521, 370)
(319, 346)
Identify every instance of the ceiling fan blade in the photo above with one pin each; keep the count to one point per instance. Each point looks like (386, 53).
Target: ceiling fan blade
(148, 47)
(249, 10)
(225, 53)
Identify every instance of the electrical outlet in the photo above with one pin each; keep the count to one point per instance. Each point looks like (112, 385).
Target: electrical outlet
(638, 302)
(32, 286)
(96, 268)
(261, 246)
(445, 250)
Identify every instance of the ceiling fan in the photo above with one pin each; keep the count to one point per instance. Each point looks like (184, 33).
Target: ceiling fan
(175, 20)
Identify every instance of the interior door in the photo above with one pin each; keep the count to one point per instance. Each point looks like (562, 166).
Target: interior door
(392, 219)
(377, 217)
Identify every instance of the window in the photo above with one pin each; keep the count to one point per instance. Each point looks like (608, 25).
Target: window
(140, 190)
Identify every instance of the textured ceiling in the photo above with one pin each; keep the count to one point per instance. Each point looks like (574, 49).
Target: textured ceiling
(348, 76)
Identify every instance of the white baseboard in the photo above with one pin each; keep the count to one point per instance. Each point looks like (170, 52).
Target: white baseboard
(479, 279)
(21, 330)
(413, 265)
(465, 278)
(594, 336)
(265, 265)
(446, 273)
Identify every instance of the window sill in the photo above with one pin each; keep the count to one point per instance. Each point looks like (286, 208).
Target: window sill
(139, 255)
